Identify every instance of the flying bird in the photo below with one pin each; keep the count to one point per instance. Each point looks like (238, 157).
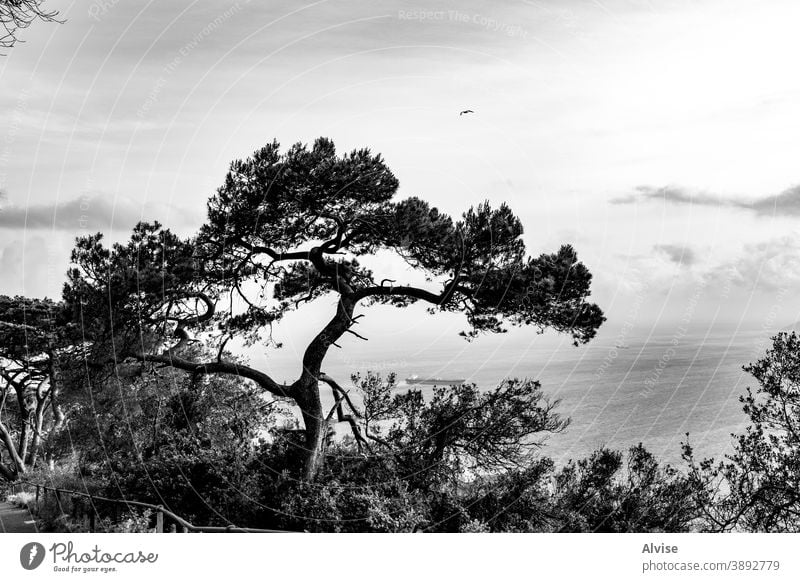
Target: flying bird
(466, 111)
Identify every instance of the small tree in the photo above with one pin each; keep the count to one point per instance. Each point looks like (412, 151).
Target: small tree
(461, 431)
(286, 228)
(604, 493)
(18, 14)
(757, 487)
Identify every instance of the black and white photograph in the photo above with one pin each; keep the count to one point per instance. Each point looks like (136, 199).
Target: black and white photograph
(519, 267)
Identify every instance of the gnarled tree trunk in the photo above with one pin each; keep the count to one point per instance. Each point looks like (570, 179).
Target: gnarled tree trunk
(56, 382)
(307, 389)
(315, 430)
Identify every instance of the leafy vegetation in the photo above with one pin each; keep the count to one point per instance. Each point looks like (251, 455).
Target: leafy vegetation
(757, 487)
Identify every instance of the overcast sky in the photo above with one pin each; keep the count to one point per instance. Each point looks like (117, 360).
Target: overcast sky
(660, 138)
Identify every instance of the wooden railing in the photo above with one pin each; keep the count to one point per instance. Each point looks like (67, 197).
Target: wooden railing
(179, 524)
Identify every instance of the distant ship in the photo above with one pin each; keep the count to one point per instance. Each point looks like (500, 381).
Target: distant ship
(621, 346)
(434, 381)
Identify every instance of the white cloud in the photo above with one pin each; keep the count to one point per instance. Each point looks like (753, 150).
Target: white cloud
(771, 265)
(678, 254)
(86, 214)
(33, 267)
(785, 203)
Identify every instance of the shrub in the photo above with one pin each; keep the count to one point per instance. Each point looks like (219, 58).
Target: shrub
(22, 499)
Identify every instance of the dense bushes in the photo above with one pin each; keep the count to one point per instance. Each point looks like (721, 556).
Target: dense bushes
(459, 459)
(455, 460)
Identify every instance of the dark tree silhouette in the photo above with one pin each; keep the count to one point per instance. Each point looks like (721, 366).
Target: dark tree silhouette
(608, 493)
(459, 430)
(33, 347)
(286, 228)
(18, 14)
(757, 487)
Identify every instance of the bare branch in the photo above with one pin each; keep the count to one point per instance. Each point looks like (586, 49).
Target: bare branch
(221, 348)
(357, 335)
(337, 389)
(306, 299)
(169, 358)
(340, 394)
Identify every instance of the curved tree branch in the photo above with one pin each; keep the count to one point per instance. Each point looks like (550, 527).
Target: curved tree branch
(408, 291)
(337, 389)
(217, 367)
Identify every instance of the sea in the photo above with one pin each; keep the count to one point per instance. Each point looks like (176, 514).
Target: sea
(654, 388)
(651, 389)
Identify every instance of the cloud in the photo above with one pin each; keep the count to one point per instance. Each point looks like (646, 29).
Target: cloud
(786, 203)
(86, 214)
(677, 254)
(35, 241)
(768, 265)
(31, 267)
(672, 194)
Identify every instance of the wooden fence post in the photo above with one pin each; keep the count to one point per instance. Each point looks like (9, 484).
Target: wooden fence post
(92, 515)
(160, 520)
(37, 499)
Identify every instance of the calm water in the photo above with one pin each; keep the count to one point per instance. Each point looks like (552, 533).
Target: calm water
(654, 391)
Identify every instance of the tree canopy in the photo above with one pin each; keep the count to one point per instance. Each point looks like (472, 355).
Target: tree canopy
(19, 14)
(288, 227)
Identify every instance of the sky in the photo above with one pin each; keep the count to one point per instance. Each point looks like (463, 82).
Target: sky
(659, 138)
